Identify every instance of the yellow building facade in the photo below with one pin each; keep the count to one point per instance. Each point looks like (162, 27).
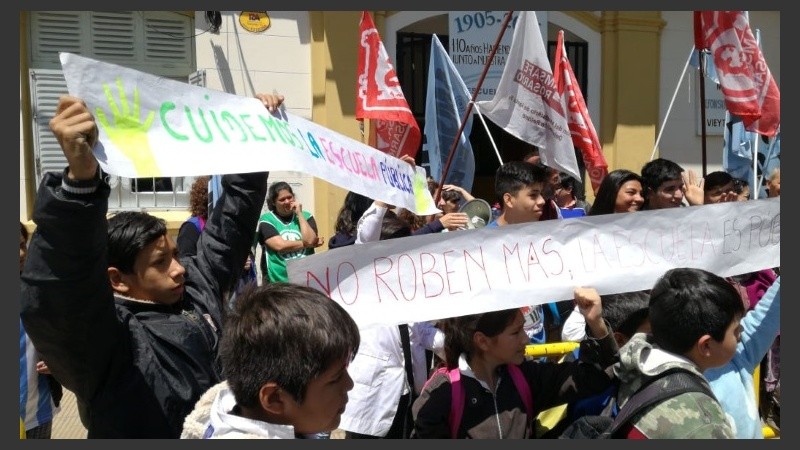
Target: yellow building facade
(635, 61)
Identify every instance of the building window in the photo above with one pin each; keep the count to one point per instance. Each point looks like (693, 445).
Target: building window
(150, 41)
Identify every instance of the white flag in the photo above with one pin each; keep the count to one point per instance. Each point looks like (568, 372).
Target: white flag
(527, 103)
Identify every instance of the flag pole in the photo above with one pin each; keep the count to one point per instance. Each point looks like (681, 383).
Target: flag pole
(453, 147)
(701, 60)
(671, 102)
(488, 133)
(756, 180)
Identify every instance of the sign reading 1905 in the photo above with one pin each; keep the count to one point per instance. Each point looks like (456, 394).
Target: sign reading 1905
(480, 19)
(473, 35)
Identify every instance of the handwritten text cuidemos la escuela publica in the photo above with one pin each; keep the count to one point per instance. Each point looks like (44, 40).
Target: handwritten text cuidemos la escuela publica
(209, 125)
(421, 275)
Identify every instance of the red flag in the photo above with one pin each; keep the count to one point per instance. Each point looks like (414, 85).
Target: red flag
(584, 137)
(380, 97)
(747, 84)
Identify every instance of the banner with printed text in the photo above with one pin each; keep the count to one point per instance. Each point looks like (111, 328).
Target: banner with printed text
(156, 127)
(434, 276)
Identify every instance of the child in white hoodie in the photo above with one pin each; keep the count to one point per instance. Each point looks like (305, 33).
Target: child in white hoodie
(285, 351)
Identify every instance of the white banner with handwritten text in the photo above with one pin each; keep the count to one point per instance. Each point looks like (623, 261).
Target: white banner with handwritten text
(442, 275)
(156, 127)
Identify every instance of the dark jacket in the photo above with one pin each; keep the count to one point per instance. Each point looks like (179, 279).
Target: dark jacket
(341, 239)
(137, 368)
(434, 226)
(551, 384)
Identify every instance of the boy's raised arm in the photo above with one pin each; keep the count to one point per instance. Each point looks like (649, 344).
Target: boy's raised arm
(67, 304)
(76, 132)
(229, 233)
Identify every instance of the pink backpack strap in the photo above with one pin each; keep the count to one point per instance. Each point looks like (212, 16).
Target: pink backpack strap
(457, 394)
(456, 401)
(523, 388)
(456, 397)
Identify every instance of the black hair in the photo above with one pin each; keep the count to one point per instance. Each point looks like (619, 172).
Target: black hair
(352, 209)
(459, 331)
(452, 196)
(285, 333)
(534, 151)
(128, 233)
(394, 227)
(687, 303)
(273, 191)
(625, 312)
(716, 179)
(606, 197)
(23, 231)
(514, 176)
(739, 185)
(567, 181)
(659, 171)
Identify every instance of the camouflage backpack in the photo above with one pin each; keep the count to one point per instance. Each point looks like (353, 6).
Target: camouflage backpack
(669, 384)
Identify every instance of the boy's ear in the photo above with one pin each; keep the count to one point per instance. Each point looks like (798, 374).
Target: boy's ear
(704, 345)
(117, 280)
(273, 399)
(507, 199)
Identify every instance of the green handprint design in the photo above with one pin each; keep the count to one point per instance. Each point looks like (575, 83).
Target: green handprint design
(128, 133)
(420, 190)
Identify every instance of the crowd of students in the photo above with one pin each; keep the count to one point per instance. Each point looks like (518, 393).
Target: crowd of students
(144, 333)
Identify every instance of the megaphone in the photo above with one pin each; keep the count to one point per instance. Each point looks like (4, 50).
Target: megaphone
(478, 211)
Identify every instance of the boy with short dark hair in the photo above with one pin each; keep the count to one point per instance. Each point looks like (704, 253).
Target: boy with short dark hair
(123, 324)
(285, 351)
(719, 187)
(666, 184)
(694, 317)
(518, 186)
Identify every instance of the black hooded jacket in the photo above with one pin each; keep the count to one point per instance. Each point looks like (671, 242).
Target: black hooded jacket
(136, 367)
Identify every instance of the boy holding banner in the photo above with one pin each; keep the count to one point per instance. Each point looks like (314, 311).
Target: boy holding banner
(123, 324)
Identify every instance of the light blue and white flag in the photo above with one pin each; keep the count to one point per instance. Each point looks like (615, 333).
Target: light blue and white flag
(709, 68)
(737, 154)
(445, 103)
